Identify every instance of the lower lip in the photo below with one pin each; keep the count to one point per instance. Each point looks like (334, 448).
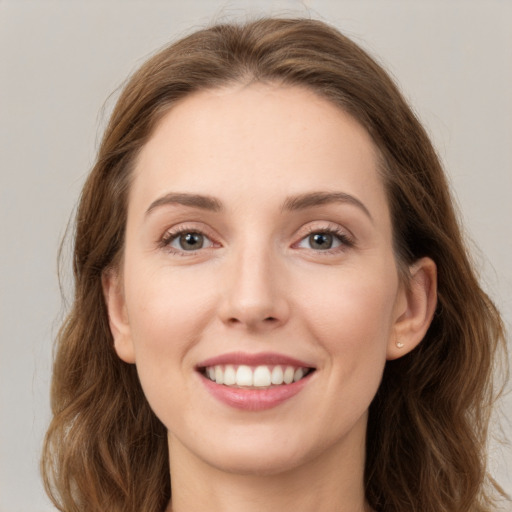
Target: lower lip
(254, 399)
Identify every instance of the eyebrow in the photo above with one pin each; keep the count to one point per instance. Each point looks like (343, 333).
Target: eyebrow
(185, 199)
(314, 199)
(294, 203)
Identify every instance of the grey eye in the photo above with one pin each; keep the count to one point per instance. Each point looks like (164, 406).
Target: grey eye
(190, 241)
(321, 241)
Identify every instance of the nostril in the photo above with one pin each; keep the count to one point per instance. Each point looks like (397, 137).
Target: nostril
(268, 319)
(252, 320)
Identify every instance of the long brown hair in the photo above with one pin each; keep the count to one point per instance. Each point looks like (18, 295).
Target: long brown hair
(106, 450)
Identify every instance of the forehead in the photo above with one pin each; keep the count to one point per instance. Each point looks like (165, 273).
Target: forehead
(266, 140)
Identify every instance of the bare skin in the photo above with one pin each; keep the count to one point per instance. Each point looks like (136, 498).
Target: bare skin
(258, 223)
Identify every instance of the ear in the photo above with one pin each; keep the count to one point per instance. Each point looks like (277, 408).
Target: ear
(415, 308)
(117, 316)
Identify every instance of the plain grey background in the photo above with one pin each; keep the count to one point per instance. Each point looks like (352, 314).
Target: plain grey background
(59, 62)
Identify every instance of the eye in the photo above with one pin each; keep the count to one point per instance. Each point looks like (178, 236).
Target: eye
(186, 241)
(325, 240)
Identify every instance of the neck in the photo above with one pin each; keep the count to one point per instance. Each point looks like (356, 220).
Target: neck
(330, 482)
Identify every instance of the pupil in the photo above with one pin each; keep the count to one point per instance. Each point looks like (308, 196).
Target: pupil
(321, 241)
(191, 241)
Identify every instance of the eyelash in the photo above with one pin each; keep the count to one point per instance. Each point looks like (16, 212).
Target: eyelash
(171, 235)
(346, 241)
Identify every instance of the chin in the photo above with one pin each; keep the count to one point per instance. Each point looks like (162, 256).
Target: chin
(258, 451)
(258, 464)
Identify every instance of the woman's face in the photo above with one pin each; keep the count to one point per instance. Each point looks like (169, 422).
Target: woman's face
(258, 251)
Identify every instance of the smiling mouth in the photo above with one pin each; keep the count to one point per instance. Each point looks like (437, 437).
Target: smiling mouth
(254, 377)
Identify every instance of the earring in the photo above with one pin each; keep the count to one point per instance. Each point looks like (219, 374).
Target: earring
(399, 344)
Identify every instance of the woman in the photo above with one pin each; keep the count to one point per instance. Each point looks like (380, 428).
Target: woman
(274, 307)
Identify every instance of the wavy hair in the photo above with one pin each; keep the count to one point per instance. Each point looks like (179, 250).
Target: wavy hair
(428, 424)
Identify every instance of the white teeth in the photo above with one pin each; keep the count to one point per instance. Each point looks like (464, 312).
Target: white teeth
(288, 375)
(260, 376)
(277, 375)
(244, 376)
(229, 375)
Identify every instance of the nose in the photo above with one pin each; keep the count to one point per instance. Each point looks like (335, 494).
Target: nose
(254, 294)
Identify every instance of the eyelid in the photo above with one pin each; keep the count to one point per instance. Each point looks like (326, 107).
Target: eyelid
(344, 235)
(172, 233)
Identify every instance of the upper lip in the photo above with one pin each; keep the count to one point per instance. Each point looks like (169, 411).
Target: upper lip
(262, 358)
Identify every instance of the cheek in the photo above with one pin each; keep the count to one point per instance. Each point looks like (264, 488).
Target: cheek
(356, 306)
(167, 313)
(352, 318)
(166, 308)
